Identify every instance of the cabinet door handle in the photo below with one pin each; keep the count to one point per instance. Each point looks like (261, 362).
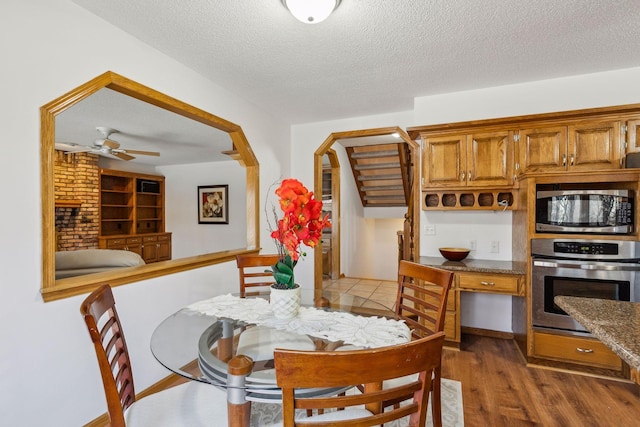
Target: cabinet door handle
(463, 175)
(483, 283)
(564, 160)
(584, 350)
(573, 157)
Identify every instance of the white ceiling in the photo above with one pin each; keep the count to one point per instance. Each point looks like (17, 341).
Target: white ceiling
(376, 56)
(140, 126)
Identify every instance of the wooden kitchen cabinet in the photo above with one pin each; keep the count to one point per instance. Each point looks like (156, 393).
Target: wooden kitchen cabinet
(586, 145)
(497, 283)
(510, 284)
(452, 317)
(632, 132)
(572, 349)
(478, 159)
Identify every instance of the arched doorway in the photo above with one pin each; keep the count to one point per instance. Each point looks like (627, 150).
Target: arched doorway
(370, 137)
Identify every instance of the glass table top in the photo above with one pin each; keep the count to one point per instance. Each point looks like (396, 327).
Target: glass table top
(198, 346)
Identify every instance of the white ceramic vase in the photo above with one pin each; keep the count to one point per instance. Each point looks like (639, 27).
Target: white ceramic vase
(285, 303)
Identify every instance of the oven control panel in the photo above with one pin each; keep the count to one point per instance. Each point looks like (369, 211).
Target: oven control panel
(585, 248)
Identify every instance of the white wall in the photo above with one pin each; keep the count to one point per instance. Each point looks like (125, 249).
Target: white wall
(189, 237)
(48, 371)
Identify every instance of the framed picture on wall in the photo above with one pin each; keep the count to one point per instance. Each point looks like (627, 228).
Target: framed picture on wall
(213, 204)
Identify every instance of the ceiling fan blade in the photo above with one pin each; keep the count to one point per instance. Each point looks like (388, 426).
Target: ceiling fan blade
(122, 155)
(144, 153)
(110, 143)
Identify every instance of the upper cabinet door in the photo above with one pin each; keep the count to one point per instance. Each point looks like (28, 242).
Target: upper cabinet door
(542, 149)
(490, 159)
(444, 161)
(594, 145)
(633, 136)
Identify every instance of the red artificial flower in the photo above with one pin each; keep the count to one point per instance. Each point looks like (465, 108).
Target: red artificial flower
(302, 221)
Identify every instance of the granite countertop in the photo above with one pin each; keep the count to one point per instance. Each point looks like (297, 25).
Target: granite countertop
(475, 265)
(615, 323)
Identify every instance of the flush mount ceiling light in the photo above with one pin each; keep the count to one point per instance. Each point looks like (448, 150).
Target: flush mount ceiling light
(311, 11)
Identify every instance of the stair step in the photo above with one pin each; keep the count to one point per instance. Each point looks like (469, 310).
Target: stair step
(388, 197)
(373, 154)
(379, 177)
(381, 188)
(378, 166)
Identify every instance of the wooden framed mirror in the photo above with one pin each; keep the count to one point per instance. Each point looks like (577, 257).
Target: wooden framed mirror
(239, 150)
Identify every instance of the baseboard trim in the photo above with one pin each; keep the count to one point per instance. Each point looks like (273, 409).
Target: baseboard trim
(487, 333)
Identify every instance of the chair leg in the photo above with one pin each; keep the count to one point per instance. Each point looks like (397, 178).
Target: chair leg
(436, 401)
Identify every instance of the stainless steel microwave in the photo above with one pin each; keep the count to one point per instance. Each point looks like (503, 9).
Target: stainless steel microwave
(585, 211)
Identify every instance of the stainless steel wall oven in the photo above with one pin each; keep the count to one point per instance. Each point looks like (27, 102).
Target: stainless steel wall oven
(606, 269)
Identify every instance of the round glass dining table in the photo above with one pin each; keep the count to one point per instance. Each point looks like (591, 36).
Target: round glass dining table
(199, 346)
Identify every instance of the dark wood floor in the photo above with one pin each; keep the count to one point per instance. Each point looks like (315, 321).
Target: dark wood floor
(500, 390)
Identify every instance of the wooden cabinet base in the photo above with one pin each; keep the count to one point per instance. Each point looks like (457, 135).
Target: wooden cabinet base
(578, 350)
(152, 247)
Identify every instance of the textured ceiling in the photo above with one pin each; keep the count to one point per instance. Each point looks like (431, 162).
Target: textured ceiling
(375, 56)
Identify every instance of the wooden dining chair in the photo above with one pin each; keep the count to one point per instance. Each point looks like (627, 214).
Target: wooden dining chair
(255, 271)
(189, 404)
(422, 303)
(421, 300)
(297, 370)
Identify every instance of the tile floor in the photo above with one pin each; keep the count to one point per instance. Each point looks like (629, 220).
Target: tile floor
(380, 291)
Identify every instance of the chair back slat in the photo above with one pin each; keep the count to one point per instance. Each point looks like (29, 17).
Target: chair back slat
(422, 297)
(296, 369)
(255, 271)
(111, 351)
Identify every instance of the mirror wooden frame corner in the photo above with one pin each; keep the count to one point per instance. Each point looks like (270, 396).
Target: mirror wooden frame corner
(53, 289)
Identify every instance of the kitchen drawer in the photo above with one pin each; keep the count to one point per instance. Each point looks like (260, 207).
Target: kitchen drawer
(164, 237)
(134, 240)
(495, 283)
(583, 351)
(148, 239)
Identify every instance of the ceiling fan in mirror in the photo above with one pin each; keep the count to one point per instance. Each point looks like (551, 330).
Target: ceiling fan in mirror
(104, 146)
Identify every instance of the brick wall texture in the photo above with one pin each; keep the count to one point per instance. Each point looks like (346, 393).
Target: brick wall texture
(76, 177)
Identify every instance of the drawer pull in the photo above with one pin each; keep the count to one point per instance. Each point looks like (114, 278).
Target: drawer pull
(483, 283)
(584, 350)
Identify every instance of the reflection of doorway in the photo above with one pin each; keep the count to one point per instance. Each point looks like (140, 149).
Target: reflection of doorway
(331, 206)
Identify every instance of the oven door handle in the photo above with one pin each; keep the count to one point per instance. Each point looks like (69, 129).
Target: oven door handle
(587, 265)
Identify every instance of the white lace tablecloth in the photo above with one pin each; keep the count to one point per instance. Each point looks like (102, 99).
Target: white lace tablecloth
(362, 331)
